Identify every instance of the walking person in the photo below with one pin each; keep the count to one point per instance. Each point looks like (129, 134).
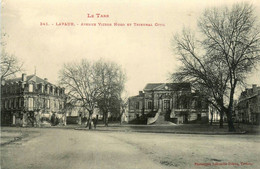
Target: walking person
(95, 122)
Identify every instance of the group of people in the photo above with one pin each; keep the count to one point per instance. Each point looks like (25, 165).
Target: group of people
(94, 120)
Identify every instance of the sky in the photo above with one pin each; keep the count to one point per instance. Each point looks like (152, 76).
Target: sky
(144, 52)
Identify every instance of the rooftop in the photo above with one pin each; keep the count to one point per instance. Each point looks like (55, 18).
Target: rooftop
(33, 78)
(169, 86)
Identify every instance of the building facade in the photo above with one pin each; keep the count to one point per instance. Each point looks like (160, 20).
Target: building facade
(31, 101)
(248, 106)
(173, 102)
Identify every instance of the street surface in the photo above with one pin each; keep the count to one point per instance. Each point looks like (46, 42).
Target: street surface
(82, 149)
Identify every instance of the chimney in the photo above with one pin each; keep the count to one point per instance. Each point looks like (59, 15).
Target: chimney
(247, 92)
(140, 93)
(24, 77)
(254, 86)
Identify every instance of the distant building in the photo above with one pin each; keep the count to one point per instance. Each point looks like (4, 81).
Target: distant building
(79, 115)
(161, 102)
(248, 106)
(30, 100)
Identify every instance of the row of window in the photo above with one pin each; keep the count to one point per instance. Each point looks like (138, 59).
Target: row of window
(44, 103)
(15, 103)
(11, 89)
(33, 88)
(149, 105)
(249, 103)
(180, 104)
(45, 89)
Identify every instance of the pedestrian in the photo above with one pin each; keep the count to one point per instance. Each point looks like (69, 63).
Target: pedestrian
(95, 122)
(53, 119)
(87, 123)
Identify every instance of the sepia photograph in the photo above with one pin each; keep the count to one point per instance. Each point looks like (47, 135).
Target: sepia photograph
(130, 84)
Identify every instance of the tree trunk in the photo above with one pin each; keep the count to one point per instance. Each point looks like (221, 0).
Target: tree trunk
(96, 121)
(211, 119)
(89, 121)
(89, 124)
(121, 118)
(221, 119)
(106, 119)
(231, 127)
(229, 111)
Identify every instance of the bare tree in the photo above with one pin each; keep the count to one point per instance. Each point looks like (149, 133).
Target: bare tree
(10, 65)
(220, 60)
(94, 84)
(110, 79)
(123, 107)
(79, 81)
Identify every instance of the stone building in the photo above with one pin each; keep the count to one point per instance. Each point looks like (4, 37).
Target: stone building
(248, 106)
(30, 100)
(174, 102)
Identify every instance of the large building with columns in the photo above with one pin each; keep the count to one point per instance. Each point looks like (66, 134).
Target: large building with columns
(174, 102)
(30, 100)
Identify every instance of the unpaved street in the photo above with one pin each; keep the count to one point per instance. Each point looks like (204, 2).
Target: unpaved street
(67, 149)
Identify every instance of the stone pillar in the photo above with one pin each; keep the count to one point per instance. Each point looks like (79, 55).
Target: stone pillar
(24, 122)
(13, 121)
(65, 119)
(79, 118)
(171, 105)
(37, 119)
(24, 77)
(160, 105)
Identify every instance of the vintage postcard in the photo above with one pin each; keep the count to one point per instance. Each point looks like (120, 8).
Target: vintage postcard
(130, 84)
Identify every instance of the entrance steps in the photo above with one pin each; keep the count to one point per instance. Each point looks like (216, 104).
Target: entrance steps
(158, 119)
